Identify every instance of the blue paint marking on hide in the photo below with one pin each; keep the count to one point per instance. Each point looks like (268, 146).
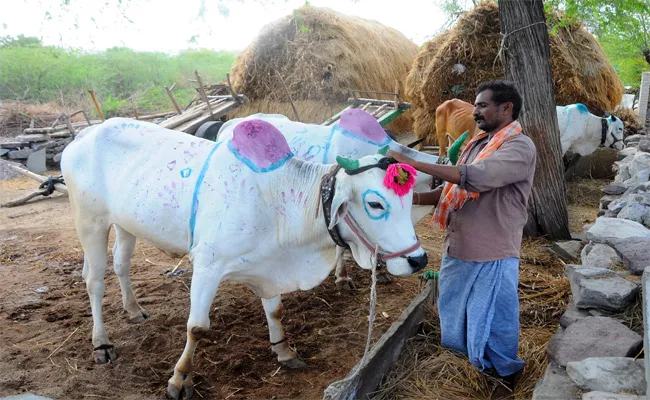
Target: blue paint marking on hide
(582, 108)
(384, 215)
(186, 172)
(254, 167)
(195, 196)
(328, 143)
(313, 150)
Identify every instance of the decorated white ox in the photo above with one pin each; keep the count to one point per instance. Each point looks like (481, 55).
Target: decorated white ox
(245, 209)
(357, 134)
(582, 132)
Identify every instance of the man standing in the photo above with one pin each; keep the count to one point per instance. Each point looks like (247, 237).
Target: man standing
(482, 206)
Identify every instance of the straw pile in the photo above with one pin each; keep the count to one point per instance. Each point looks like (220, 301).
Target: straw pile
(467, 55)
(317, 54)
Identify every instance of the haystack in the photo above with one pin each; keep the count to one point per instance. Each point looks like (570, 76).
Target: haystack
(316, 56)
(467, 54)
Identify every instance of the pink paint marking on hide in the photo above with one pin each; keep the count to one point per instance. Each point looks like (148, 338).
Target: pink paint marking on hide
(400, 178)
(260, 145)
(363, 124)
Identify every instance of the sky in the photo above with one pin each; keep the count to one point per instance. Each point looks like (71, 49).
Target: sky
(169, 26)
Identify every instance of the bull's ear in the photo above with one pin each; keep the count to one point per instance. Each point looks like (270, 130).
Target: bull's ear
(340, 201)
(383, 150)
(348, 164)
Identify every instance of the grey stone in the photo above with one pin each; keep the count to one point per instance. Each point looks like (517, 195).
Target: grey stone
(57, 157)
(11, 145)
(617, 205)
(556, 385)
(606, 229)
(3, 152)
(19, 154)
(42, 289)
(600, 256)
(568, 251)
(572, 314)
(607, 199)
(598, 395)
(626, 152)
(582, 237)
(613, 294)
(593, 337)
(633, 212)
(36, 162)
(634, 139)
(644, 145)
(577, 272)
(635, 253)
(609, 214)
(640, 188)
(614, 188)
(638, 177)
(608, 374)
(36, 137)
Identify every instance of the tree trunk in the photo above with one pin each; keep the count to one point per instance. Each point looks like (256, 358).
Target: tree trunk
(526, 59)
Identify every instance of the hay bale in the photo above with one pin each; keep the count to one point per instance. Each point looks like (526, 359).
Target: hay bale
(468, 55)
(631, 121)
(320, 55)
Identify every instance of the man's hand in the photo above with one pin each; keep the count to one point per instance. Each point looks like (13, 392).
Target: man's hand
(401, 158)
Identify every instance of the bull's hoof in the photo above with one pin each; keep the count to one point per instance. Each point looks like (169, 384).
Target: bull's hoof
(104, 353)
(383, 278)
(294, 363)
(138, 317)
(174, 393)
(345, 284)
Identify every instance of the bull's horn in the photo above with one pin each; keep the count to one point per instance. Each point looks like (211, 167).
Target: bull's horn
(454, 149)
(348, 164)
(383, 150)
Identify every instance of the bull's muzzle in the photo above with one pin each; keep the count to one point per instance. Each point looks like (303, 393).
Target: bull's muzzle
(418, 262)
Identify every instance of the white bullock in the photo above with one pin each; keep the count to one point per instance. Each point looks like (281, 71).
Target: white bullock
(357, 134)
(244, 209)
(582, 132)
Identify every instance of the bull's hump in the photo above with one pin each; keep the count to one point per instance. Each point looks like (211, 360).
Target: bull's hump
(363, 125)
(259, 145)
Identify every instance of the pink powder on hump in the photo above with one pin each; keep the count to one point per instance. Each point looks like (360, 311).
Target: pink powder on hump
(363, 125)
(260, 142)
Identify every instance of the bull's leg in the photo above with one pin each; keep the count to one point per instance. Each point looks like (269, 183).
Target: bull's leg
(122, 252)
(205, 282)
(94, 239)
(274, 309)
(343, 280)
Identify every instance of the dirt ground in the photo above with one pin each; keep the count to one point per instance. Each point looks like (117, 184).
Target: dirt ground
(46, 325)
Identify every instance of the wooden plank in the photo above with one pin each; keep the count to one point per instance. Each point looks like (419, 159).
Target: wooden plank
(173, 100)
(202, 91)
(39, 178)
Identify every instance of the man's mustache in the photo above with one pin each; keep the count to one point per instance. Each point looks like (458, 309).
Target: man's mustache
(479, 118)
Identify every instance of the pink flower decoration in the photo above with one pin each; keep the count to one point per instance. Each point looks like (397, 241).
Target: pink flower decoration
(400, 178)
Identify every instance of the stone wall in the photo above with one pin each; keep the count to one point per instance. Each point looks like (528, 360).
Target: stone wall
(593, 354)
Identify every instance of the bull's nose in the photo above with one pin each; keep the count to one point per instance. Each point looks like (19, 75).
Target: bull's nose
(419, 262)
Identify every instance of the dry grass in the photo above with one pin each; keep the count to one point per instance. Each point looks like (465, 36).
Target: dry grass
(581, 71)
(321, 54)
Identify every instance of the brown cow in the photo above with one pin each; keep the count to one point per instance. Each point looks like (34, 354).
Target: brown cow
(453, 117)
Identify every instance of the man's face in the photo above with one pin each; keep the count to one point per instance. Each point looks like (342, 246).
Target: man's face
(488, 115)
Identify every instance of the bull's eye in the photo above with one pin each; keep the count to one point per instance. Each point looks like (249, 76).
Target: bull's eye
(375, 205)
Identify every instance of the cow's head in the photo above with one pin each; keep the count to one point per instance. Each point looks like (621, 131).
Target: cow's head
(368, 210)
(615, 129)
